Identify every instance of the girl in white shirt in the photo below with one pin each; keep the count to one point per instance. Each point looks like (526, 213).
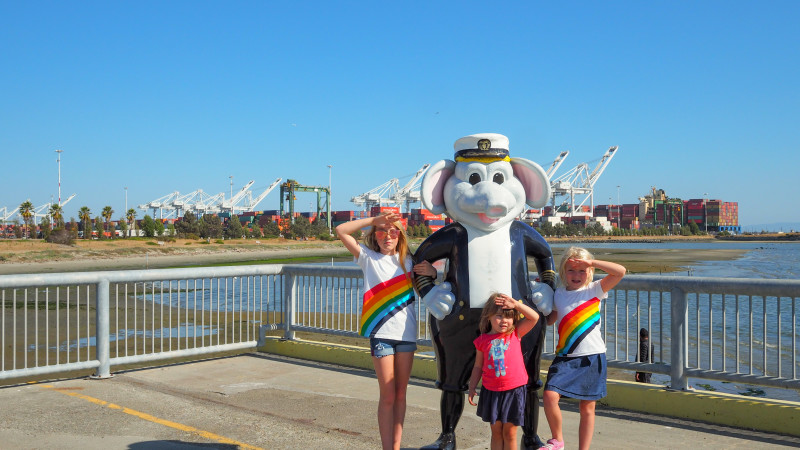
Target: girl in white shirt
(579, 368)
(389, 312)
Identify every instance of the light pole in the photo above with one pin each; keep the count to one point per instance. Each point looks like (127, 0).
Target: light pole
(231, 177)
(59, 175)
(618, 186)
(330, 200)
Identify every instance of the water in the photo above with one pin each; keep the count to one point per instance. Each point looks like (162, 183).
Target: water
(762, 259)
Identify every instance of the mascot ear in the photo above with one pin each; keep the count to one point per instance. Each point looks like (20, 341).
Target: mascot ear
(433, 185)
(534, 180)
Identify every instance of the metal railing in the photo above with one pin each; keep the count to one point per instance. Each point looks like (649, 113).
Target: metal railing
(742, 330)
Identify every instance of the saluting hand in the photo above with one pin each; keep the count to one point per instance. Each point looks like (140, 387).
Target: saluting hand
(505, 301)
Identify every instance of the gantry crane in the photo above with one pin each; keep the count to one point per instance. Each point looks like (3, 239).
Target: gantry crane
(579, 181)
(287, 194)
(245, 195)
(410, 193)
(377, 196)
(5, 214)
(42, 211)
(390, 193)
(556, 164)
(199, 202)
(228, 205)
(160, 204)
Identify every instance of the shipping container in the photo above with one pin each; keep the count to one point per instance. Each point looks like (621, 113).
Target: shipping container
(377, 210)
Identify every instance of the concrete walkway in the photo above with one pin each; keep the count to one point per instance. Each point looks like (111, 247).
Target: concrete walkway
(273, 402)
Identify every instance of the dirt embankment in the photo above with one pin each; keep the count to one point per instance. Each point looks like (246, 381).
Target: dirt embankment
(35, 256)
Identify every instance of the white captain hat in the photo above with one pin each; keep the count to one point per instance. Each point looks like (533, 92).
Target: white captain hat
(485, 147)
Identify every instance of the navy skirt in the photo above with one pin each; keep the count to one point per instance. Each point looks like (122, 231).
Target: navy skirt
(579, 377)
(504, 406)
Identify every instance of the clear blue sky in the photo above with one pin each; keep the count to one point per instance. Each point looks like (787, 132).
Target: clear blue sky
(701, 97)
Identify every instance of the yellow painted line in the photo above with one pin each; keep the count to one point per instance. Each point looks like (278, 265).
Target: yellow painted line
(149, 418)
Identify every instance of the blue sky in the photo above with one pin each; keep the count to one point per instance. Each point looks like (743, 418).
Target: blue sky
(701, 97)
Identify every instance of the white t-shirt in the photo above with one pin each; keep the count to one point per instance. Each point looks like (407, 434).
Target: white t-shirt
(579, 320)
(389, 310)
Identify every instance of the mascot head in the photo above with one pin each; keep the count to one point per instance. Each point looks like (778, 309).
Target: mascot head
(484, 187)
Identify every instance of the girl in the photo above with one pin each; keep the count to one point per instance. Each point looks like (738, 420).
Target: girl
(579, 368)
(498, 360)
(389, 313)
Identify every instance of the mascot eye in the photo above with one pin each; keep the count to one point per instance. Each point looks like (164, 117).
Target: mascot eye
(474, 179)
(498, 178)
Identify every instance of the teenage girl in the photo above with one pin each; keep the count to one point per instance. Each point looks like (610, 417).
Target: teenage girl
(499, 362)
(389, 312)
(579, 368)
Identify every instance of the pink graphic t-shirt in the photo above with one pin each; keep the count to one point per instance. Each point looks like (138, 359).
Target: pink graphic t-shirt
(503, 366)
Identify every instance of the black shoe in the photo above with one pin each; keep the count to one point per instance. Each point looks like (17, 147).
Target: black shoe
(446, 441)
(531, 442)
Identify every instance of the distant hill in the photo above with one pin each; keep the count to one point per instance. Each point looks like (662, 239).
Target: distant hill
(777, 227)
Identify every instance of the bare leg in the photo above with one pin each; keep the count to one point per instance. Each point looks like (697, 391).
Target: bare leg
(402, 373)
(509, 436)
(586, 427)
(497, 436)
(553, 413)
(384, 369)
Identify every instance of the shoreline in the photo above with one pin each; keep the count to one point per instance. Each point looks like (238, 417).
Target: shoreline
(28, 256)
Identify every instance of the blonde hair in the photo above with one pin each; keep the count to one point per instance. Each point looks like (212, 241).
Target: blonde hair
(490, 309)
(575, 253)
(402, 243)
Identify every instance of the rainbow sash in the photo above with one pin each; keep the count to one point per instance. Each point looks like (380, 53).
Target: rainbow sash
(576, 325)
(384, 301)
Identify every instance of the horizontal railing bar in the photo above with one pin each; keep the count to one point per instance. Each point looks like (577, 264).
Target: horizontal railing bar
(132, 276)
(46, 370)
(149, 357)
(744, 378)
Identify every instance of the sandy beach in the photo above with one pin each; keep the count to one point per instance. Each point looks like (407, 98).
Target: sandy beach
(35, 256)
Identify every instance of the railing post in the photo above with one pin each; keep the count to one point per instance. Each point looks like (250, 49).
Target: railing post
(102, 330)
(679, 348)
(290, 303)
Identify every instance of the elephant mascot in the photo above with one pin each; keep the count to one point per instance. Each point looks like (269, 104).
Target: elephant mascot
(485, 251)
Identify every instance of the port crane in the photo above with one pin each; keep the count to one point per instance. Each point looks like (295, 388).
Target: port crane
(410, 193)
(534, 215)
(291, 186)
(160, 204)
(5, 215)
(579, 181)
(246, 196)
(556, 164)
(199, 202)
(377, 196)
(44, 210)
(390, 192)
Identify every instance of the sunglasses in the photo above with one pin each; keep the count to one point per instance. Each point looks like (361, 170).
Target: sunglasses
(393, 233)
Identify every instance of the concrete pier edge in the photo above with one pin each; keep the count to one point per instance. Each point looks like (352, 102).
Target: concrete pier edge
(775, 416)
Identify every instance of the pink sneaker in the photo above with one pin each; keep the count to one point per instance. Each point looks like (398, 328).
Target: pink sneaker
(553, 444)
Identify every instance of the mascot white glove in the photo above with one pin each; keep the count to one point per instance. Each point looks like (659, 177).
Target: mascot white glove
(542, 297)
(439, 300)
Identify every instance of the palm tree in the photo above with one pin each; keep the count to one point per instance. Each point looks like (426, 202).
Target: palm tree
(131, 216)
(85, 214)
(107, 213)
(26, 211)
(57, 215)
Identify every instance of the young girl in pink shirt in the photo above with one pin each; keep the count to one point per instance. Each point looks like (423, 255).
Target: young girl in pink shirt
(499, 362)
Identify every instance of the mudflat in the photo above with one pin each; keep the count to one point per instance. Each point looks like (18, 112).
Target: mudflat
(36, 256)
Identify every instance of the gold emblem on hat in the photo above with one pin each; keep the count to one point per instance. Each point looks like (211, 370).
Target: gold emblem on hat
(484, 144)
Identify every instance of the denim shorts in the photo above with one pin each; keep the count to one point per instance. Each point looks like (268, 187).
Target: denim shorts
(380, 347)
